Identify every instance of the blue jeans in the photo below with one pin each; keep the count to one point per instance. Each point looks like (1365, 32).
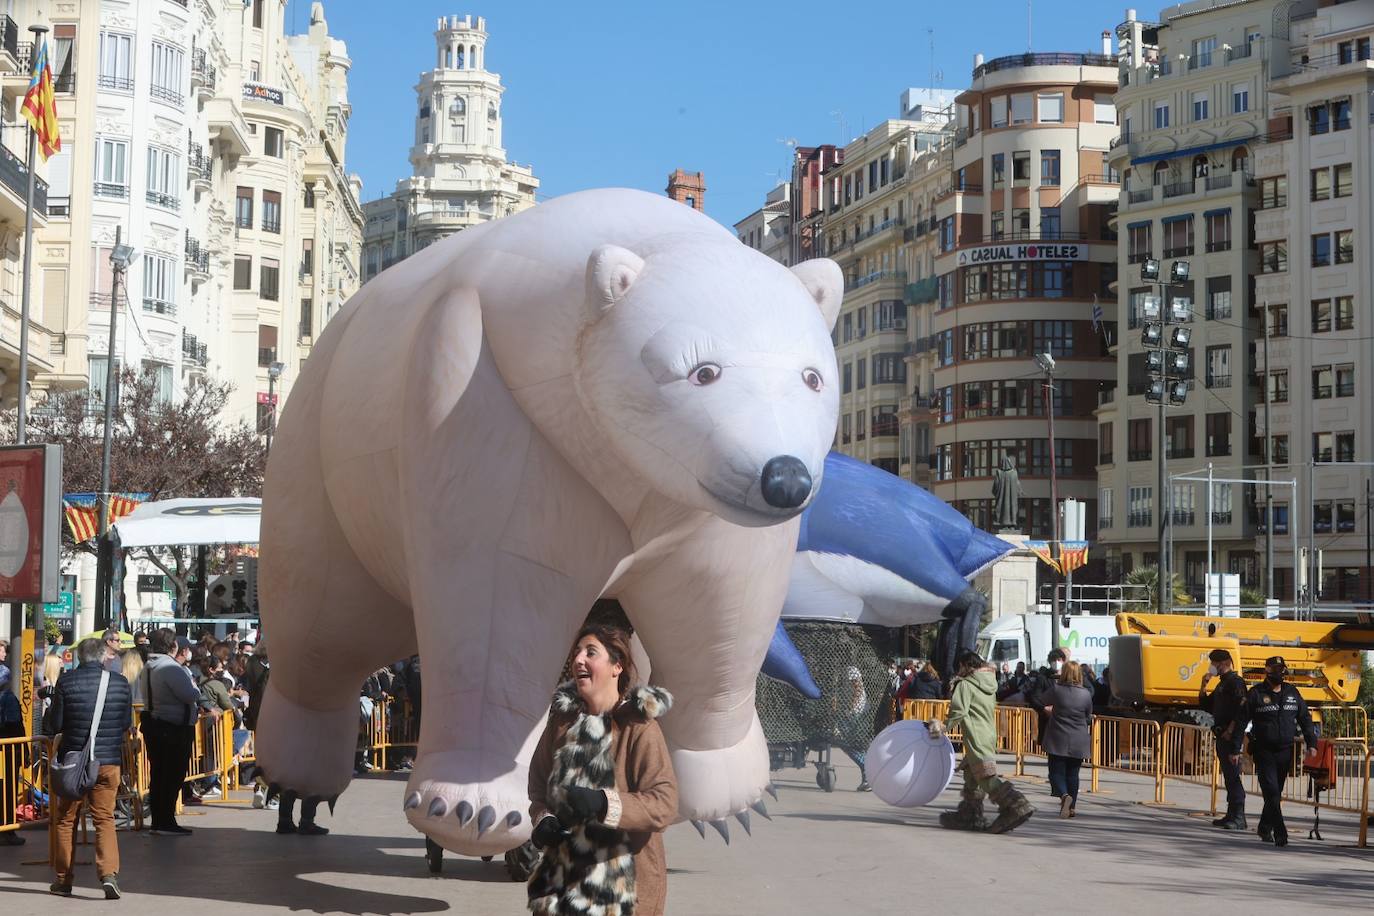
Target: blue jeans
(1064, 776)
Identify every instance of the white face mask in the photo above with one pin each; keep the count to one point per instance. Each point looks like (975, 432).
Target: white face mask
(1058, 667)
(1211, 670)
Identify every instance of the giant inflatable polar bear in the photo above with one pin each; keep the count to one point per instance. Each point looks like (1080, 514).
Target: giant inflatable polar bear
(606, 395)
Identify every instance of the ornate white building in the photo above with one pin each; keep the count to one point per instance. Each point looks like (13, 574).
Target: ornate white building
(460, 174)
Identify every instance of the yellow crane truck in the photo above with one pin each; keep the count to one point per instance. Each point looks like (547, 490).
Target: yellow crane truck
(1158, 660)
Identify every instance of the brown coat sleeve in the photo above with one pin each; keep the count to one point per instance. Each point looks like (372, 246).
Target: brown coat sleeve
(649, 803)
(540, 766)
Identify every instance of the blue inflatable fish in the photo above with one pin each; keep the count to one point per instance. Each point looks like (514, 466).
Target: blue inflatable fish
(877, 549)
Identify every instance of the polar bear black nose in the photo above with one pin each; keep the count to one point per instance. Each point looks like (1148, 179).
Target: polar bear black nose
(786, 482)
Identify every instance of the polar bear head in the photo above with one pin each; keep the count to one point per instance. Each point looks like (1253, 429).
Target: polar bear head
(710, 371)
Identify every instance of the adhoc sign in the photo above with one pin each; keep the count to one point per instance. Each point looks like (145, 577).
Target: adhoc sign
(30, 513)
(263, 93)
(1028, 251)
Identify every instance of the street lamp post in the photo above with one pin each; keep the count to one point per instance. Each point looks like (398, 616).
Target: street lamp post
(273, 373)
(120, 258)
(1046, 363)
(1168, 361)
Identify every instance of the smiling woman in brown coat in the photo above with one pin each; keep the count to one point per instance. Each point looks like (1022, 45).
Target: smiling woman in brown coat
(602, 789)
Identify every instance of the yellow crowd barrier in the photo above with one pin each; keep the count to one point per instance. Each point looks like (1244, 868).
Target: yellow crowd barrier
(24, 782)
(1188, 754)
(391, 725)
(1127, 746)
(1016, 727)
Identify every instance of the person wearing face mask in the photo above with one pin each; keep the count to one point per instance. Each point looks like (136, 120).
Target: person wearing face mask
(1039, 686)
(602, 788)
(1277, 712)
(1227, 704)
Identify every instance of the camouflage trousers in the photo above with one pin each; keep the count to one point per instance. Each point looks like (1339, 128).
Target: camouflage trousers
(980, 780)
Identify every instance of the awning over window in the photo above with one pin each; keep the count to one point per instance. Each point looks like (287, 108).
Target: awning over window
(1190, 151)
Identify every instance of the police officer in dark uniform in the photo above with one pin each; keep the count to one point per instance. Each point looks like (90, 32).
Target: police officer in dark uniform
(1227, 704)
(1277, 711)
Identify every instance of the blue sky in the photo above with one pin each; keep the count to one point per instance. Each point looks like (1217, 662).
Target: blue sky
(617, 94)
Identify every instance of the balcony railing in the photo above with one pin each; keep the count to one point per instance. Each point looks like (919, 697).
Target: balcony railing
(1222, 245)
(877, 276)
(1138, 454)
(109, 189)
(1221, 518)
(1141, 196)
(162, 199)
(1180, 252)
(120, 83)
(1183, 516)
(1178, 189)
(271, 224)
(202, 70)
(15, 176)
(159, 306)
(9, 36)
(1181, 452)
(170, 96)
(1043, 59)
(1140, 519)
(1217, 380)
(64, 83)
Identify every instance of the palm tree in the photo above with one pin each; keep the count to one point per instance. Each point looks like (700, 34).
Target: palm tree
(1148, 576)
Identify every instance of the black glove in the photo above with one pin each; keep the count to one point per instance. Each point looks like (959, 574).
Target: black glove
(582, 805)
(549, 832)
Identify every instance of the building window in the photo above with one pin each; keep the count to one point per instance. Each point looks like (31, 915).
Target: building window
(161, 375)
(307, 257)
(243, 272)
(309, 201)
(1104, 443)
(1278, 320)
(1279, 447)
(1178, 237)
(1139, 244)
(860, 426)
(1321, 250)
(1218, 434)
(1321, 184)
(257, 13)
(307, 317)
(271, 211)
(1345, 380)
(1020, 167)
(1345, 446)
(1344, 180)
(243, 208)
(1050, 224)
(1240, 98)
(111, 167)
(1344, 308)
(164, 178)
(269, 279)
(1218, 230)
(1139, 445)
(1218, 298)
(1140, 510)
(1049, 167)
(1345, 246)
(1273, 193)
(1051, 105)
(1318, 119)
(1321, 383)
(999, 170)
(1104, 109)
(272, 143)
(63, 56)
(861, 373)
(1345, 515)
(116, 62)
(1340, 114)
(1201, 104)
(1321, 316)
(1323, 447)
(160, 283)
(1273, 257)
(998, 105)
(1278, 386)
(1021, 108)
(1219, 366)
(1161, 115)
(885, 424)
(846, 429)
(1178, 434)
(168, 78)
(847, 378)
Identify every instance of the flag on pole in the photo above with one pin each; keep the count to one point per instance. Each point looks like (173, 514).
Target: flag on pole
(83, 511)
(1045, 551)
(1072, 555)
(39, 106)
(1098, 315)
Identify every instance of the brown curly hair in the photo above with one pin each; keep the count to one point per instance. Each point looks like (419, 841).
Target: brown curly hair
(617, 644)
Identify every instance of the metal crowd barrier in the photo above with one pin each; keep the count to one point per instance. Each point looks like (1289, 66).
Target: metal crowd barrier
(392, 725)
(24, 795)
(1127, 746)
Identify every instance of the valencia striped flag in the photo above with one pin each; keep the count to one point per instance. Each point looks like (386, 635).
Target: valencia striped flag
(39, 106)
(83, 511)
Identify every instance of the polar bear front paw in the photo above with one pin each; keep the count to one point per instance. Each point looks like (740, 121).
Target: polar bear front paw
(717, 784)
(476, 819)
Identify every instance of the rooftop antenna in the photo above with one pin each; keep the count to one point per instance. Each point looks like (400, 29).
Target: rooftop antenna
(1028, 27)
(844, 126)
(930, 32)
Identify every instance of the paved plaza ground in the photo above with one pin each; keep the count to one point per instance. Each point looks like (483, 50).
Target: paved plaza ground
(842, 853)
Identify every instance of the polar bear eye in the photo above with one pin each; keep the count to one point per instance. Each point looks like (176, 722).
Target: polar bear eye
(705, 374)
(812, 378)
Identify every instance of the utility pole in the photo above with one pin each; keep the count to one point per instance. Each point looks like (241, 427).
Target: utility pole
(120, 258)
(1046, 362)
(1269, 471)
(1368, 547)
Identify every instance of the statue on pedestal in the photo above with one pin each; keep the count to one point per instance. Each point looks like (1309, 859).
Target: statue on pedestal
(1006, 495)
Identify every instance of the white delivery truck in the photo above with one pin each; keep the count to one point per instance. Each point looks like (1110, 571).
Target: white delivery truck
(1026, 638)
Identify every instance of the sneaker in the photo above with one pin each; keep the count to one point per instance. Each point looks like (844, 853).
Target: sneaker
(212, 793)
(1066, 807)
(311, 830)
(273, 804)
(864, 787)
(110, 885)
(174, 830)
(285, 827)
(60, 889)
(11, 838)
(260, 797)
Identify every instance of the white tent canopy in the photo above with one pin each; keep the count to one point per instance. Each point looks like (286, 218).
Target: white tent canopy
(191, 521)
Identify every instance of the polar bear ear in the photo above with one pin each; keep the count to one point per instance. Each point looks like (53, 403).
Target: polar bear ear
(611, 271)
(824, 280)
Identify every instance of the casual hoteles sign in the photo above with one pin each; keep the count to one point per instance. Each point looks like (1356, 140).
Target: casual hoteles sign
(1023, 251)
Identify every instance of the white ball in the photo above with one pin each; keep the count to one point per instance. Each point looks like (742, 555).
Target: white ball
(907, 767)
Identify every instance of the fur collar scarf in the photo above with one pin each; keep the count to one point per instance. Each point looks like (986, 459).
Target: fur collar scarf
(593, 872)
